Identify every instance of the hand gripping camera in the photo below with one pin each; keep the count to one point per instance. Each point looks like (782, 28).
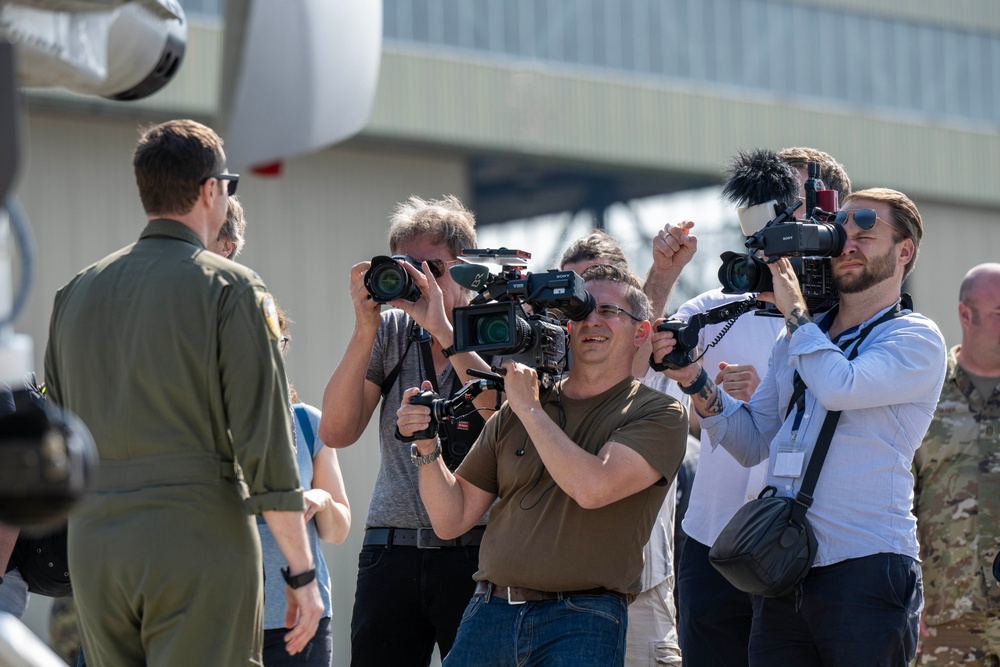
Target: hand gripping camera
(686, 333)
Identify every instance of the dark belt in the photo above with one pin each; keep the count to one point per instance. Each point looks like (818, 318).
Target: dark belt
(421, 538)
(518, 595)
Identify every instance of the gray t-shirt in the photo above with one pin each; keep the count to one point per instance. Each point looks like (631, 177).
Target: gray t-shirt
(396, 500)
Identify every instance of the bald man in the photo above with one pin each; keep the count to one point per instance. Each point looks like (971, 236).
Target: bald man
(957, 500)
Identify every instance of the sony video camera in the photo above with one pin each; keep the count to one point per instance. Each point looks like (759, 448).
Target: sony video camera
(760, 184)
(497, 320)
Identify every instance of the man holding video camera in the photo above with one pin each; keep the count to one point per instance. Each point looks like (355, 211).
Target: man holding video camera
(412, 585)
(581, 471)
(861, 601)
(717, 615)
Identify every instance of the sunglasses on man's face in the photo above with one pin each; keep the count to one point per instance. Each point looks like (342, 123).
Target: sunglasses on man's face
(437, 266)
(864, 218)
(232, 180)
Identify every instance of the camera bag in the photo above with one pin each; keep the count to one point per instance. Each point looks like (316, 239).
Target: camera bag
(768, 547)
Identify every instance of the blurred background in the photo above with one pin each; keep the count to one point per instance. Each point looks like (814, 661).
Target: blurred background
(547, 117)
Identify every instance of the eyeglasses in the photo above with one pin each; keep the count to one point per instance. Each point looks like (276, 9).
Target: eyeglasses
(610, 310)
(864, 218)
(232, 179)
(283, 343)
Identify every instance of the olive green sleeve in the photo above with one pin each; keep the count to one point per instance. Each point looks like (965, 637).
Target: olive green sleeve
(255, 396)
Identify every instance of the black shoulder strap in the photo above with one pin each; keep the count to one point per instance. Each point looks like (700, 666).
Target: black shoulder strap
(414, 334)
(804, 498)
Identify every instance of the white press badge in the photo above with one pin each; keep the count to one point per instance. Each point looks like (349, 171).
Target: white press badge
(792, 452)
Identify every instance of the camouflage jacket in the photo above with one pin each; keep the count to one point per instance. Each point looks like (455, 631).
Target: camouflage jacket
(957, 500)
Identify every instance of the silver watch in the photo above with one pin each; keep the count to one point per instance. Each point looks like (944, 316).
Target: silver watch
(419, 460)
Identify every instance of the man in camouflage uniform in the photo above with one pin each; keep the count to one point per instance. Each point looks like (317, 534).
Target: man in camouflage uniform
(957, 499)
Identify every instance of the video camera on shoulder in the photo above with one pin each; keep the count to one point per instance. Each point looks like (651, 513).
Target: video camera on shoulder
(518, 313)
(762, 183)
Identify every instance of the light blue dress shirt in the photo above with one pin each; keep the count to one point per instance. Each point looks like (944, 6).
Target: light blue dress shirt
(887, 394)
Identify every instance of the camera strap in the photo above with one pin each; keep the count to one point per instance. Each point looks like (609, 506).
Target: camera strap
(415, 334)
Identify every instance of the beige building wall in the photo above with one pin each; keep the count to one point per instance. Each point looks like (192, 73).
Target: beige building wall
(956, 238)
(306, 229)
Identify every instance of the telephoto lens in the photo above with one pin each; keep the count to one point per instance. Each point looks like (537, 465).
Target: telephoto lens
(387, 280)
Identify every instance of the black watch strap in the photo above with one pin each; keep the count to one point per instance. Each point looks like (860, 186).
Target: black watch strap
(299, 580)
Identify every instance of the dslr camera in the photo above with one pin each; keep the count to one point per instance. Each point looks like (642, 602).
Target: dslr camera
(518, 313)
(387, 280)
(772, 231)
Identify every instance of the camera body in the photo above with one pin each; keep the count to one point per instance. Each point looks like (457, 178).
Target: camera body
(387, 280)
(773, 232)
(498, 321)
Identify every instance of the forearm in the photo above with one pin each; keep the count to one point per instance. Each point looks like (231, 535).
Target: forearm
(658, 287)
(289, 532)
(443, 496)
(333, 523)
(344, 419)
(577, 472)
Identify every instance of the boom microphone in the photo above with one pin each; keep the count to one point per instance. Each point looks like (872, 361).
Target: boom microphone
(758, 176)
(761, 184)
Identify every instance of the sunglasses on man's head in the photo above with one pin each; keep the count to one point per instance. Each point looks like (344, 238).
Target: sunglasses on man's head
(864, 218)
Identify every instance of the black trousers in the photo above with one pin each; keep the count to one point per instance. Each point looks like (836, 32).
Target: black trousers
(862, 611)
(713, 616)
(407, 600)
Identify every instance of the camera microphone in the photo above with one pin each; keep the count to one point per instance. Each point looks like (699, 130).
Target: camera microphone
(471, 276)
(760, 184)
(477, 277)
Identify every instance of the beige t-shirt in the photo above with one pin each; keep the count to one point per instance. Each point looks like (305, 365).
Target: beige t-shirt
(537, 536)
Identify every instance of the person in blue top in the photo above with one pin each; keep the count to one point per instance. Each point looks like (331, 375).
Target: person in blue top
(328, 518)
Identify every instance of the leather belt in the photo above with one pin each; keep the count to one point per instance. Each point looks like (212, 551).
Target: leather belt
(518, 595)
(421, 538)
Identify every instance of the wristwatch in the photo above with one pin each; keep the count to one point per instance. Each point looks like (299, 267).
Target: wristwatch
(299, 580)
(419, 460)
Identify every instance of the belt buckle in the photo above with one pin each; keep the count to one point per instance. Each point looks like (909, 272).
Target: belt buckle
(425, 537)
(509, 601)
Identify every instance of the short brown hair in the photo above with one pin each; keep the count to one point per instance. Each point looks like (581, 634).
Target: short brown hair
(637, 300)
(596, 245)
(442, 220)
(832, 172)
(171, 161)
(906, 221)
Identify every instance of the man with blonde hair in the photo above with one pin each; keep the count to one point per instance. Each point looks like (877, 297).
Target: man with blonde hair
(880, 366)
(412, 585)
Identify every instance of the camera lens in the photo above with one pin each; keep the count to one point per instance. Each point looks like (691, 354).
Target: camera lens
(743, 273)
(492, 329)
(738, 273)
(387, 280)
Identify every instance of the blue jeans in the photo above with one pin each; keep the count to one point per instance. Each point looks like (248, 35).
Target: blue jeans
(862, 611)
(577, 631)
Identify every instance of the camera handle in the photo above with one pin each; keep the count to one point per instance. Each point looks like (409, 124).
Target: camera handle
(687, 333)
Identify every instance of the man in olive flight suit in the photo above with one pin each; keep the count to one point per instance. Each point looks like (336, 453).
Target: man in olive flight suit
(169, 354)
